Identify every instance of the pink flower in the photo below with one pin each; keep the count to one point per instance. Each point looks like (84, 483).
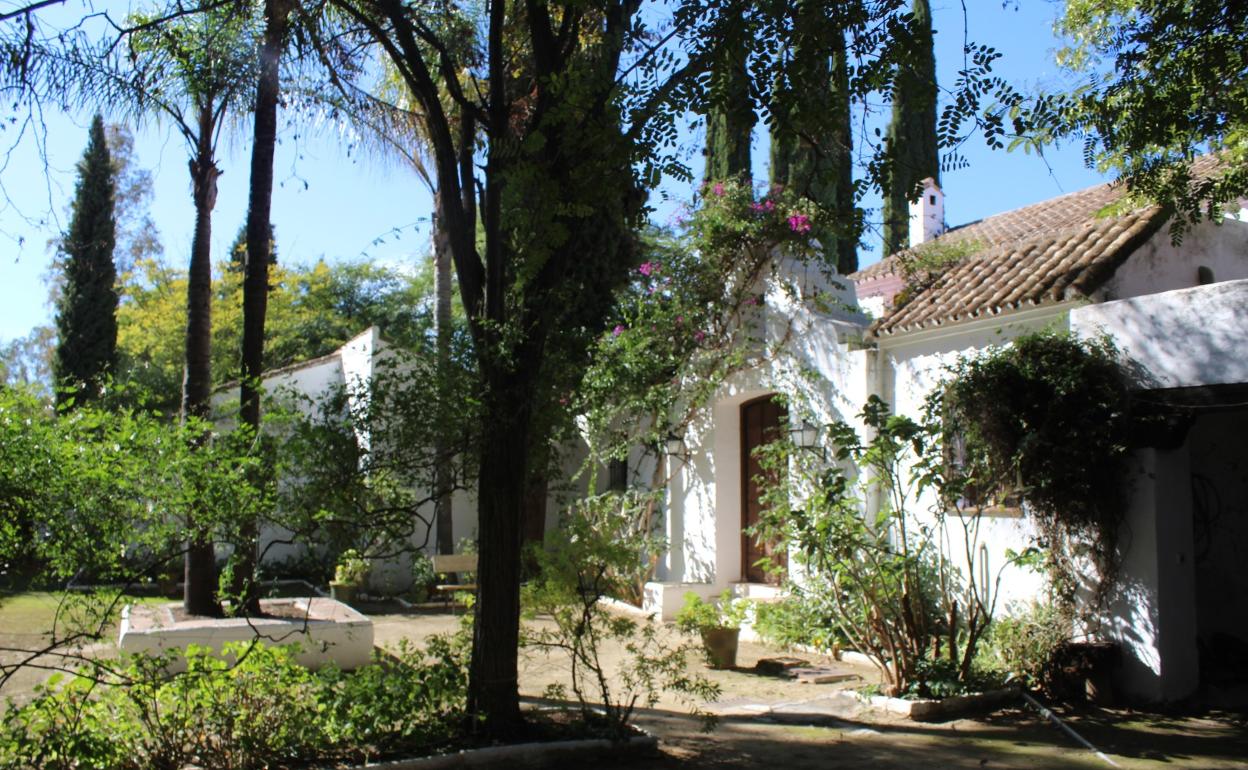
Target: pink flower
(750, 301)
(719, 188)
(699, 335)
(680, 319)
(618, 330)
(799, 223)
(766, 205)
(647, 268)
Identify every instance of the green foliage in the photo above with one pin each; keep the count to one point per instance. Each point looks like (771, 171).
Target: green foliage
(890, 583)
(730, 122)
(685, 320)
(697, 614)
(589, 557)
(1047, 417)
(86, 318)
(811, 136)
(799, 619)
(423, 576)
(105, 494)
(263, 710)
(312, 311)
(911, 142)
(1024, 644)
(922, 266)
(352, 568)
(366, 460)
(1160, 82)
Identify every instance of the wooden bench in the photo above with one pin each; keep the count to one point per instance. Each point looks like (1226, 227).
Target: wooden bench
(454, 564)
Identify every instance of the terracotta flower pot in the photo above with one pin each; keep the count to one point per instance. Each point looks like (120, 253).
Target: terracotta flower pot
(721, 646)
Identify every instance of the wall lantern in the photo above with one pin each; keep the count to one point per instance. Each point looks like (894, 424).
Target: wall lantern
(806, 436)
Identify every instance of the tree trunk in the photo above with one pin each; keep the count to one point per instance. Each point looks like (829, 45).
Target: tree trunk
(200, 565)
(492, 687)
(442, 333)
(256, 277)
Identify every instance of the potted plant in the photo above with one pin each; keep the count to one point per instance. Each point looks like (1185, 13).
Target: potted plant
(349, 576)
(423, 577)
(719, 623)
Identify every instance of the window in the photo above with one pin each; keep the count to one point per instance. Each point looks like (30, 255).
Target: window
(617, 475)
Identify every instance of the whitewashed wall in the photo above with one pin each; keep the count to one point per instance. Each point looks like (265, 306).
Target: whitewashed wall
(1159, 265)
(1179, 338)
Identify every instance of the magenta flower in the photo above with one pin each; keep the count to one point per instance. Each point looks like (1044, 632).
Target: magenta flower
(799, 223)
(719, 189)
(699, 335)
(618, 330)
(647, 268)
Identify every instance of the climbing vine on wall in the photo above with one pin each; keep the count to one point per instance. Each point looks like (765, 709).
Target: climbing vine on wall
(1048, 418)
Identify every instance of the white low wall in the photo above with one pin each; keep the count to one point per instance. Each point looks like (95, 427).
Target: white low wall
(1177, 339)
(330, 632)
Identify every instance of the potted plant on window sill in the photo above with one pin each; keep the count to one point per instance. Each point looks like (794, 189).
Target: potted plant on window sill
(349, 576)
(719, 624)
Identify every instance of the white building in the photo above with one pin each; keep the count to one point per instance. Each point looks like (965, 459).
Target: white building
(1084, 262)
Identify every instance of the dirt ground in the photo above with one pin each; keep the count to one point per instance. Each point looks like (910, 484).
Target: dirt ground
(777, 724)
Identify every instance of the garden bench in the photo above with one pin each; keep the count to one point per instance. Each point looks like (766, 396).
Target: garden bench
(454, 564)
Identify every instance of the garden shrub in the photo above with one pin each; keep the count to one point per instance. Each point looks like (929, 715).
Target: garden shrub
(1026, 643)
(587, 558)
(888, 583)
(262, 710)
(804, 618)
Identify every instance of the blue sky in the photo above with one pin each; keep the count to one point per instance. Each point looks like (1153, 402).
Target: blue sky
(339, 205)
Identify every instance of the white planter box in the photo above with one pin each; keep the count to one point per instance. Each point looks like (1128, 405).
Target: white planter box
(327, 630)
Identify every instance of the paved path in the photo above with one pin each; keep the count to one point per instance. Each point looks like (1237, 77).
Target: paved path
(772, 723)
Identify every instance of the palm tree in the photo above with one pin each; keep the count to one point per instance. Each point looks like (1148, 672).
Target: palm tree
(188, 69)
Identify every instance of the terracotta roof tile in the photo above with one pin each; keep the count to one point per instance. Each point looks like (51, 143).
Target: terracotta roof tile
(1039, 254)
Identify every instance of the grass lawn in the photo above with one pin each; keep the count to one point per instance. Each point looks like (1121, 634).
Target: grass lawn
(28, 619)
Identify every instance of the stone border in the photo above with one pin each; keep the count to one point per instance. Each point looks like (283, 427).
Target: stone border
(524, 754)
(933, 710)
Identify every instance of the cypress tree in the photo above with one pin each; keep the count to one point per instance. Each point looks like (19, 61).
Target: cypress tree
(86, 318)
(811, 139)
(911, 139)
(730, 120)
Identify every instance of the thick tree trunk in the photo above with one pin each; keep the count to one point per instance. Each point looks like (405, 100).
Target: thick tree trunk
(200, 565)
(493, 688)
(259, 252)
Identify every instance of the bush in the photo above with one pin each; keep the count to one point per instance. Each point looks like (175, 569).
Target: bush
(798, 620)
(1025, 645)
(263, 710)
(585, 560)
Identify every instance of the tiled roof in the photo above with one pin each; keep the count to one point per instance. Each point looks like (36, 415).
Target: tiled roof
(1036, 255)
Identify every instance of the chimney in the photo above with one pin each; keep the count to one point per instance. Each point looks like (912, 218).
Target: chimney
(927, 214)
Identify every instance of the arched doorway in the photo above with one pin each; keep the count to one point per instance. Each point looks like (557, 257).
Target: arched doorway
(762, 421)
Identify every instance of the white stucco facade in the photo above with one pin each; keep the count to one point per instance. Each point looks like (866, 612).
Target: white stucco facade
(1174, 331)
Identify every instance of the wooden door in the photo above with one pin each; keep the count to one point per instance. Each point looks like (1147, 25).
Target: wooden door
(761, 422)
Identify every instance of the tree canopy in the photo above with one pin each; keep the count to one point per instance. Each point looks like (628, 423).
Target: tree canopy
(1163, 82)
